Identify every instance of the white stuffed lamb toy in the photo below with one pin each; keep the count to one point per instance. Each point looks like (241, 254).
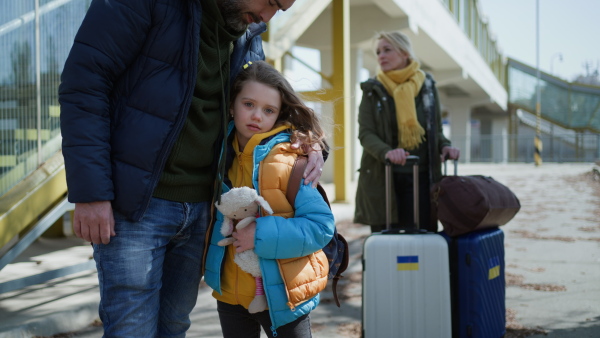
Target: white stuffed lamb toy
(242, 204)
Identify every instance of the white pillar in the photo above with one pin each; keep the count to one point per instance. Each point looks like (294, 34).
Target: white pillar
(499, 139)
(459, 116)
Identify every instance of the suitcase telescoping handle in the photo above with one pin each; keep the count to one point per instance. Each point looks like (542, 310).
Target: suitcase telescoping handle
(414, 160)
(446, 167)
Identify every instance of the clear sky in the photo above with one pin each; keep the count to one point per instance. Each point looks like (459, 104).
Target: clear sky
(571, 28)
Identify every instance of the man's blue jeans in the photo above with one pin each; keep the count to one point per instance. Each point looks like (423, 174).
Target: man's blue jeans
(150, 271)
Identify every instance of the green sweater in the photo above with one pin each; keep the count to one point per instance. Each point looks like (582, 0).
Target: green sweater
(189, 174)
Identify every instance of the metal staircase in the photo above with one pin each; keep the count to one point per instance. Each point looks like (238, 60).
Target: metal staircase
(287, 27)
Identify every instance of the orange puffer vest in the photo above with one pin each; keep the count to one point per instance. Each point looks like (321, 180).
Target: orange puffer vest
(306, 276)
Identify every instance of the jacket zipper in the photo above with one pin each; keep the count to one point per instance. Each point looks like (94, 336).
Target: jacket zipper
(183, 114)
(237, 293)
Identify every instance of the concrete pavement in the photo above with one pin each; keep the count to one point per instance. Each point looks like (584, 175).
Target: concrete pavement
(552, 268)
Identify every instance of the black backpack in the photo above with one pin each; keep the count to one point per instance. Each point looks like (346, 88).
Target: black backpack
(337, 249)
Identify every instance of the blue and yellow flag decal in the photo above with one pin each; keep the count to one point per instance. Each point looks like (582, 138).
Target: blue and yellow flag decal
(494, 266)
(406, 263)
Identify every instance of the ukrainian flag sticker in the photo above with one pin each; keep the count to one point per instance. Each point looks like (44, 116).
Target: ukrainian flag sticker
(494, 268)
(406, 263)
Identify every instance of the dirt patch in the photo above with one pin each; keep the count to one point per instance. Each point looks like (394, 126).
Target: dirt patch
(533, 235)
(590, 229)
(590, 180)
(519, 281)
(515, 266)
(95, 323)
(316, 327)
(513, 280)
(347, 224)
(347, 286)
(544, 287)
(515, 330)
(537, 269)
(352, 330)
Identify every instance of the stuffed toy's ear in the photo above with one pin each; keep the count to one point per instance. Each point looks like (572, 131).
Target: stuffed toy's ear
(264, 204)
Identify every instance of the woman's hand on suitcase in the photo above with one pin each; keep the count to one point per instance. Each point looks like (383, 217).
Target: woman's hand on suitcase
(397, 156)
(450, 153)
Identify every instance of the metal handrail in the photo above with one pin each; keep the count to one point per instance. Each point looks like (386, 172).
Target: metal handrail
(24, 242)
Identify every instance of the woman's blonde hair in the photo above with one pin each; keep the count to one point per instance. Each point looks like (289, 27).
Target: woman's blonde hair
(294, 112)
(399, 41)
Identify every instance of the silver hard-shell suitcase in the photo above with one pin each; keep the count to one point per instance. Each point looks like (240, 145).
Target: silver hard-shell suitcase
(406, 279)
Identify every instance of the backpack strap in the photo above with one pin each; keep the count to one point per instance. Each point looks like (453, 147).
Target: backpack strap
(292, 190)
(296, 179)
(343, 265)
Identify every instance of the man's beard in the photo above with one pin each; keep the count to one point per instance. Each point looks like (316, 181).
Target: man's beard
(233, 14)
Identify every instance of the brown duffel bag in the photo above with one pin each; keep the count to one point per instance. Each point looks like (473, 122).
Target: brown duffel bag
(469, 203)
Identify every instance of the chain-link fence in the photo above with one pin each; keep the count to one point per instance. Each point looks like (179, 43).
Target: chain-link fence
(570, 105)
(571, 147)
(35, 38)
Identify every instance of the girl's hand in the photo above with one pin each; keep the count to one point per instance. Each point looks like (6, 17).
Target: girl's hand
(397, 156)
(244, 238)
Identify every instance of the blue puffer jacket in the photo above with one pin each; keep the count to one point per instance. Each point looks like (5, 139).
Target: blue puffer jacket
(276, 237)
(126, 90)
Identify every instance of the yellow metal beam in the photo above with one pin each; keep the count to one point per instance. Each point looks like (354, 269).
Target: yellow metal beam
(22, 205)
(322, 95)
(31, 134)
(341, 89)
(8, 161)
(266, 35)
(54, 111)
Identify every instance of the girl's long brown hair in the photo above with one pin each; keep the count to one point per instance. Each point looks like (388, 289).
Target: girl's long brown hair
(294, 112)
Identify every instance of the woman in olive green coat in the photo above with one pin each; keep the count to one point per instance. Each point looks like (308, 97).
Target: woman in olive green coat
(399, 116)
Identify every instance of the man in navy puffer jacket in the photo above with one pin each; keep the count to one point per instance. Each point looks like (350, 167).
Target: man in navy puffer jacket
(143, 113)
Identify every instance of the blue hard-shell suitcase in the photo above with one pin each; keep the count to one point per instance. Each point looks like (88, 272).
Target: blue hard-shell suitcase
(478, 284)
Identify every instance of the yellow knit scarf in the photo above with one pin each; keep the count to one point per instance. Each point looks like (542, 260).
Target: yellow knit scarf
(404, 85)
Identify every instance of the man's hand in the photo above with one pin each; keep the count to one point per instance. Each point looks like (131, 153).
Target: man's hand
(314, 167)
(450, 153)
(397, 156)
(94, 222)
(244, 238)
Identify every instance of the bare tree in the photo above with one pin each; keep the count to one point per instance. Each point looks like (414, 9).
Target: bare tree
(591, 75)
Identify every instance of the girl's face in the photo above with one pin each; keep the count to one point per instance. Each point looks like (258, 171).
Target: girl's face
(389, 58)
(255, 110)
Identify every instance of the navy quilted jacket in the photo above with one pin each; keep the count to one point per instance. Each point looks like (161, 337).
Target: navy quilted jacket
(126, 89)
